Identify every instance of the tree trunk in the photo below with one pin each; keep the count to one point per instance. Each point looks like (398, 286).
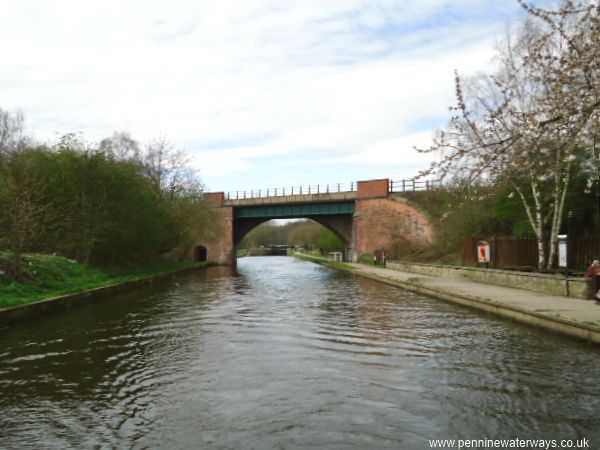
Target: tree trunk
(535, 221)
(559, 206)
(541, 252)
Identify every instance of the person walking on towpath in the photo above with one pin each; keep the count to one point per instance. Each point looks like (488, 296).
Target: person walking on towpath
(593, 273)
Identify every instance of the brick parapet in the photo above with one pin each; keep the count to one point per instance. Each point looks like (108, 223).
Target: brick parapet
(218, 198)
(373, 189)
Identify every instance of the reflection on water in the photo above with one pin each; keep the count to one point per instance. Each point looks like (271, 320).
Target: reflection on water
(287, 354)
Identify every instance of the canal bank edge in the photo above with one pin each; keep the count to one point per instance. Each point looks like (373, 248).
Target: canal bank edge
(573, 287)
(544, 320)
(38, 308)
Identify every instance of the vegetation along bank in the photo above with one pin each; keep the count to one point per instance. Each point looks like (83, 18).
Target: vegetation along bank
(76, 215)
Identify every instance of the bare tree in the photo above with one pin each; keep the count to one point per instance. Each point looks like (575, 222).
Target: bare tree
(521, 126)
(73, 141)
(574, 73)
(11, 131)
(121, 146)
(168, 169)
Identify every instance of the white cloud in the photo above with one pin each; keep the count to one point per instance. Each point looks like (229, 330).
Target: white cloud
(348, 78)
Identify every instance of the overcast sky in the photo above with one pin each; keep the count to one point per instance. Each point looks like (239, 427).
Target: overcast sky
(263, 93)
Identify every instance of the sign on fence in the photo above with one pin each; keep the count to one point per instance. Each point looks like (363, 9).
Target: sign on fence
(512, 252)
(483, 252)
(562, 251)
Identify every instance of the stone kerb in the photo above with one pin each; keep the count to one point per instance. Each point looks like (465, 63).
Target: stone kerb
(537, 282)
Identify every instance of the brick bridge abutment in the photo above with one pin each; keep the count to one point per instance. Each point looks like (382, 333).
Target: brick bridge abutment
(367, 220)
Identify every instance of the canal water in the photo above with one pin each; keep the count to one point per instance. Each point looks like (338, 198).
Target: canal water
(287, 354)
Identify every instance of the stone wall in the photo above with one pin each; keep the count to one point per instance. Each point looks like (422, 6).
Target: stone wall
(544, 283)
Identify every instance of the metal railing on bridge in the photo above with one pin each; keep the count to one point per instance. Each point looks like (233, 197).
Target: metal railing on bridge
(410, 185)
(292, 190)
(406, 185)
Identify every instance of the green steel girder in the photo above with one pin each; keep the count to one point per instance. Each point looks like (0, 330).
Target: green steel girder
(294, 210)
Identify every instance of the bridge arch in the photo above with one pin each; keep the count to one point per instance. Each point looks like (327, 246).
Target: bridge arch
(341, 226)
(367, 218)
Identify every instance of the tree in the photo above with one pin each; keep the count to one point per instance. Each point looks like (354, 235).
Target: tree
(168, 170)
(23, 214)
(11, 131)
(79, 187)
(121, 146)
(522, 126)
(265, 234)
(108, 204)
(303, 233)
(328, 241)
(574, 73)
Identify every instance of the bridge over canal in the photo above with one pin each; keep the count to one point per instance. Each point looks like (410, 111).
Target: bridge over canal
(366, 215)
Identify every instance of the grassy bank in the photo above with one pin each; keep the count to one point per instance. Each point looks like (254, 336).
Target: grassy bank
(50, 276)
(252, 251)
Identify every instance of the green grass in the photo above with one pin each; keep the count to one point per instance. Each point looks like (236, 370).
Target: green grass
(241, 252)
(310, 257)
(340, 265)
(368, 260)
(50, 276)
(324, 260)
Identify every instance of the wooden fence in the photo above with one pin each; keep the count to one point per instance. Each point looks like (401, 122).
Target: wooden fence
(522, 253)
(584, 250)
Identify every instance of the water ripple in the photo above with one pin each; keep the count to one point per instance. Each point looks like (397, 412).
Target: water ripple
(286, 354)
